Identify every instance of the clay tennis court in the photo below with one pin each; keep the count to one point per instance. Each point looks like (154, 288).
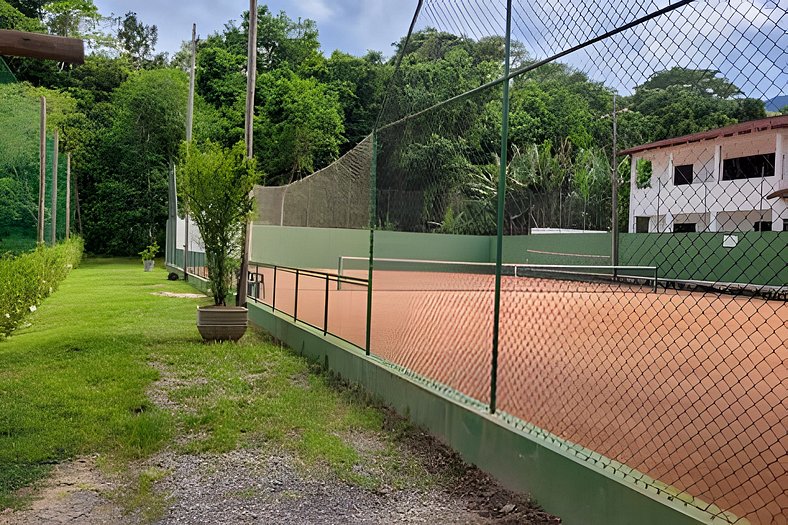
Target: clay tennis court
(686, 387)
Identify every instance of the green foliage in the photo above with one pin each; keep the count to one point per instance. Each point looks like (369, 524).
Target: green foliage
(13, 18)
(215, 186)
(125, 163)
(137, 40)
(299, 126)
(26, 280)
(644, 171)
(149, 253)
(19, 160)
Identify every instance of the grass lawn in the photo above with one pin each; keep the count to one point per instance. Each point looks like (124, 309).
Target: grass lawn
(78, 381)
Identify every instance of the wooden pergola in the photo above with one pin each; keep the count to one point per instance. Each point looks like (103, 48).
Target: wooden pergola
(41, 46)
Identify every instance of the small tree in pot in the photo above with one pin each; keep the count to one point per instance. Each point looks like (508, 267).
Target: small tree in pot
(215, 186)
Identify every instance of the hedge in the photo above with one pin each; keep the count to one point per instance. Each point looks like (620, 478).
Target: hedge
(27, 279)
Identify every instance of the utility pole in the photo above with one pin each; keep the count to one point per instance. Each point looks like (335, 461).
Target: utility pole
(189, 127)
(68, 195)
(53, 206)
(42, 159)
(251, 82)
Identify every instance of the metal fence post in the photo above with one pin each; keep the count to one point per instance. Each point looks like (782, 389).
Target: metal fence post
(295, 306)
(372, 218)
(501, 203)
(325, 312)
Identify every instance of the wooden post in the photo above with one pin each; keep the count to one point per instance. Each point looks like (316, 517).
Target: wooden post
(68, 196)
(42, 46)
(251, 82)
(53, 204)
(42, 158)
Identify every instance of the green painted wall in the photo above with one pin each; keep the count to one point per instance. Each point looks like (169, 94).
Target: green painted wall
(758, 258)
(515, 249)
(322, 247)
(580, 492)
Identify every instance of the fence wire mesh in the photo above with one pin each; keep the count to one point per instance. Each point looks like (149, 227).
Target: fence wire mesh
(644, 264)
(334, 197)
(20, 176)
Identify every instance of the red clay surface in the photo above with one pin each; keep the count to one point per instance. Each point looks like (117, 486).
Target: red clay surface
(689, 388)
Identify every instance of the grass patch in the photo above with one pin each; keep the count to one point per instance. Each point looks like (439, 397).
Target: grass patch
(77, 380)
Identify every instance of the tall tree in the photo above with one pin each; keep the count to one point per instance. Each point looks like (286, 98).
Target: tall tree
(299, 125)
(137, 40)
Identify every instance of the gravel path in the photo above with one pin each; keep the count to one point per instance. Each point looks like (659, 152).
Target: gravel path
(427, 483)
(252, 486)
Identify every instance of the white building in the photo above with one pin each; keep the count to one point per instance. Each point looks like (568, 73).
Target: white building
(728, 179)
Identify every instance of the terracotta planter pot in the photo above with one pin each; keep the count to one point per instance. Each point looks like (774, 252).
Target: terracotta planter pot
(148, 265)
(221, 323)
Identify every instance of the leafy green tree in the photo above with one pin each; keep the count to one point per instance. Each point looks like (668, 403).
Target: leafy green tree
(30, 8)
(360, 84)
(704, 82)
(11, 17)
(299, 125)
(138, 41)
(126, 207)
(72, 18)
(681, 101)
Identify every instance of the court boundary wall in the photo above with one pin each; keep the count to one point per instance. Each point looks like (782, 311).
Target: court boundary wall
(577, 491)
(308, 247)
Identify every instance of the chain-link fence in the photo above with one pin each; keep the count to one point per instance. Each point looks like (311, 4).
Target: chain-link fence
(579, 214)
(20, 181)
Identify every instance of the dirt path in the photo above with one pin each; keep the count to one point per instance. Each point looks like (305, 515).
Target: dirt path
(75, 493)
(266, 484)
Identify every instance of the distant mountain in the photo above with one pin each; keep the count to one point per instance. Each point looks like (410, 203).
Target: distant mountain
(777, 103)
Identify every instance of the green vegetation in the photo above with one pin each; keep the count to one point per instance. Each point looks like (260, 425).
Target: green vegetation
(215, 186)
(81, 380)
(26, 280)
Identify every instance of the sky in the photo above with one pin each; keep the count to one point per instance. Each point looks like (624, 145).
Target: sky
(744, 39)
(353, 26)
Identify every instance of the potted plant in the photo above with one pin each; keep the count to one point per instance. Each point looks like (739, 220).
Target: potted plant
(215, 186)
(148, 254)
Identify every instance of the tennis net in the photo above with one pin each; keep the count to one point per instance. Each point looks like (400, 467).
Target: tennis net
(434, 275)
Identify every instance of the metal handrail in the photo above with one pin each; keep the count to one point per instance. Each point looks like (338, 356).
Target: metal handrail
(328, 277)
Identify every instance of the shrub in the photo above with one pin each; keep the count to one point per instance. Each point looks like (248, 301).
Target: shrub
(215, 186)
(27, 279)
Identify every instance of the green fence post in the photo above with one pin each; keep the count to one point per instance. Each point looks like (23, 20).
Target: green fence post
(373, 211)
(501, 203)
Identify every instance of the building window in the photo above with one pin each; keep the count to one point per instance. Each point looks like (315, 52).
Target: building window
(764, 226)
(684, 227)
(785, 225)
(682, 175)
(750, 167)
(641, 224)
(643, 171)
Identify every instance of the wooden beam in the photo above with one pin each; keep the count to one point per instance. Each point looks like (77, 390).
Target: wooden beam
(38, 45)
